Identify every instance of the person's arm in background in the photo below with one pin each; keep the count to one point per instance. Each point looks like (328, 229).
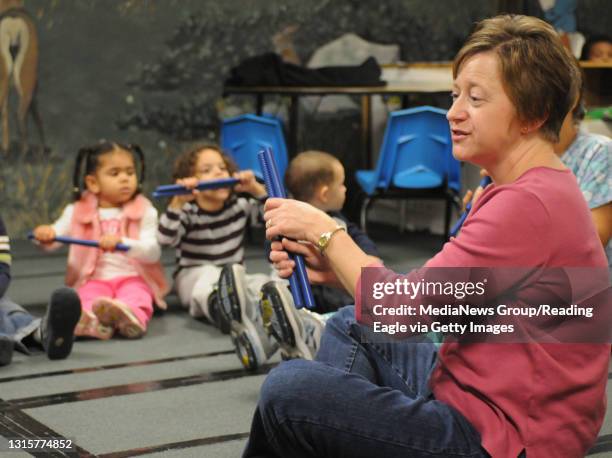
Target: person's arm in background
(602, 217)
(5, 259)
(590, 158)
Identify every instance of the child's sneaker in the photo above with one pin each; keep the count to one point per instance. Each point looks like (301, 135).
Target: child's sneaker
(252, 343)
(297, 331)
(117, 315)
(218, 318)
(90, 326)
(6, 350)
(58, 325)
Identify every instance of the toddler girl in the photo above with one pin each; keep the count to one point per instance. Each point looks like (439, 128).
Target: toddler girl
(117, 289)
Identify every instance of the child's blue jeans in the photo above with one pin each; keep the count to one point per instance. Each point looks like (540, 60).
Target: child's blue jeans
(16, 322)
(358, 400)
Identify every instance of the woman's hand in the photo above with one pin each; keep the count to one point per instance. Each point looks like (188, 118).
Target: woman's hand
(319, 270)
(44, 234)
(472, 196)
(249, 184)
(177, 202)
(295, 220)
(468, 198)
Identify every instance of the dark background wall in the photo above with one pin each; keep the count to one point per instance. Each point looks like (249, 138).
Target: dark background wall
(151, 72)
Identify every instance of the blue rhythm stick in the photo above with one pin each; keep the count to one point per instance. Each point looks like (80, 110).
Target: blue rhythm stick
(457, 227)
(300, 286)
(273, 192)
(302, 275)
(90, 243)
(169, 190)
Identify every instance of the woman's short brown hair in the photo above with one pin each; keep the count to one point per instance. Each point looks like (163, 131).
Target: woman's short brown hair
(184, 166)
(539, 75)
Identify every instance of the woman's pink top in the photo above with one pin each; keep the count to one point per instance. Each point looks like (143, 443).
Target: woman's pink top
(547, 398)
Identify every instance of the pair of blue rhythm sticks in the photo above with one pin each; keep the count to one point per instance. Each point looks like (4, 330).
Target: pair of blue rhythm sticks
(455, 230)
(169, 190)
(300, 286)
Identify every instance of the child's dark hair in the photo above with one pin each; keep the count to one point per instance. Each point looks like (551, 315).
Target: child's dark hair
(586, 48)
(91, 155)
(307, 172)
(184, 166)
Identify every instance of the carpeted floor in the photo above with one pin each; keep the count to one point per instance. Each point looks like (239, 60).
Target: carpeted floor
(180, 391)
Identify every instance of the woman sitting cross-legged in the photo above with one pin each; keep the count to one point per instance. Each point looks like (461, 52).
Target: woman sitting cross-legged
(513, 85)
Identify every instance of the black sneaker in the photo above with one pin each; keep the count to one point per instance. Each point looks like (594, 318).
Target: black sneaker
(218, 318)
(6, 350)
(276, 319)
(57, 326)
(231, 294)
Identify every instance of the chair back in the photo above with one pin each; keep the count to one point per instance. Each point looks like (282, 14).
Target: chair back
(242, 137)
(419, 150)
(416, 155)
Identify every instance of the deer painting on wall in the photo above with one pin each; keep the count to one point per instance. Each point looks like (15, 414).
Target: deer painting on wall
(18, 69)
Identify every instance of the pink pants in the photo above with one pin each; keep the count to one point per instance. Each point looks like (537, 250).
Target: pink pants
(132, 291)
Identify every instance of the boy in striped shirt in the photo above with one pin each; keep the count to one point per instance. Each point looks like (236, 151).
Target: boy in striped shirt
(207, 229)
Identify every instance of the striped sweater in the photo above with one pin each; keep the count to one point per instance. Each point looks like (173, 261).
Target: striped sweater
(5, 259)
(202, 237)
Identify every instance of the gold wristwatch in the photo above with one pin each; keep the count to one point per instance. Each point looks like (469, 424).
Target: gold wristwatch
(326, 237)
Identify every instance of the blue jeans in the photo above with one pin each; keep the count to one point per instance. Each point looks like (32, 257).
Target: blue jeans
(16, 322)
(358, 400)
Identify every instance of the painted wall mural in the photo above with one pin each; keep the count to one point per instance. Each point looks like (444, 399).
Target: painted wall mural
(18, 70)
(151, 72)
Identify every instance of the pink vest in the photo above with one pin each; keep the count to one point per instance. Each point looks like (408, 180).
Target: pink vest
(85, 224)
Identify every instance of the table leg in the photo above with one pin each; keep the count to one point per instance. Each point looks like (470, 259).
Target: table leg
(366, 130)
(293, 126)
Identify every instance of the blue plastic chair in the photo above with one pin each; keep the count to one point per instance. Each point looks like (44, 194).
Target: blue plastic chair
(415, 161)
(244, 136)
